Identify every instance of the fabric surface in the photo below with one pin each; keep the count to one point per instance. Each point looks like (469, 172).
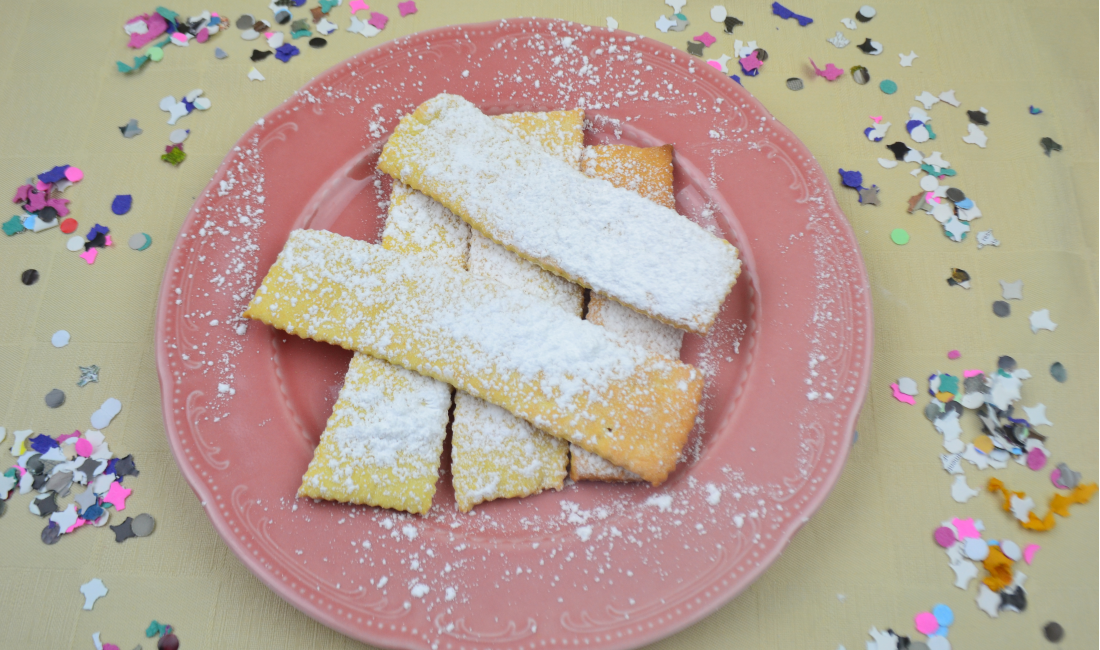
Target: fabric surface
(865, 559)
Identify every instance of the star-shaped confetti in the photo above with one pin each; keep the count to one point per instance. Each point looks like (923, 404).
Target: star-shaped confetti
(1040, 320)
(44, 505)
(948, 97)
(286, 51)
(85, 500)
(870, 47)
(965, 571)
(1012, 290)
(706, 39)
(838, 40)
(88, 374)
(869, 195)
(976, 136)
(93, 590)
(751, 63)
(123, 531)
(907, 59)
(960, 491)
(406, 8)
(965, 528)
(682, 23)
(927, 99)
(116, 496)
(357, 5)
(663, 24)
(1037, 415)
(831, 72)
(978, 117)
(695, 48)
(988, 601)
(130, 129)
(720, 63)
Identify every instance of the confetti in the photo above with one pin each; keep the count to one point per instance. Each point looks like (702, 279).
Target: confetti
(986, 238)
(406, 8)
(899, 236)
(1058, 371)
(751, 64)
(677, 5)
(976, 136)
(1040, 320)
(730, 22)
(612, 23)
(868, 46)
(1016, 503)
(988, 601)
(143, 525)
(926, 623)
(948, 97)
(860, 74)
(887, 163)
(173, 154)
(869, 195)
(954, 354)
(902, 397)
(93, 590)
(123, 531)
(116, 496)
(848, 22)
(130, 129)
(706, 39)
(1012, 290)
(254, 75)
(927, 99)
(1002, 309)
(838, 41)
(121, 204)
(720, 64)
(695, 48)
(55, 398)
(60, 339)
(1053, 632)
(718, 13)
(944, 536)
(887, 86)
(786, 14)
(377, 20)
(907, 59)
(1049, 145)
(260, 55)
(175, 109)
(219, 53)
(961, 492)
(285, 52)
(865, 13)
(102, 417)
(663, 24)
(959, 278)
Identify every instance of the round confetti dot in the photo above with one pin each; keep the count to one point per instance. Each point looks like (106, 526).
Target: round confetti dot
(74, 174)
(888, 87)
(140, 241)
(51, 533)
(178, 136)
(69, 226)
(1058, 371)
(944, 536)
(976, 549)
(83, 447)
(282, 16)
(794, 83)
(1006, 363)
(1002, 308)
(1036, 459)
(929, 183)
(899, 236)
(954, 354)
(956, 195)
(75, 243)
(983, 443)
(60, 339)
(926, 623)
(245, 21)
(55, 398)
(944, 615)
(156, 53)
(143, 525)
(860, 75)
(1011, 550)
(317, 42)
(1053, 632)
(168, 642)
(121, 204)
(865, 13)
(29, 277)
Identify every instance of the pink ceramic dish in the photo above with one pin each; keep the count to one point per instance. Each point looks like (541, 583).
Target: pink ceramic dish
(607, 566)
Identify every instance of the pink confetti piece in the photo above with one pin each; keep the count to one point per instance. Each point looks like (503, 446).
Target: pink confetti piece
(944, 536)
(110, 646)
(706, 39)
(831, 72)
(926, 623)
(180, 38)
(377, 20)
(1036, 460)
(89, 255)
(20, 470)
(42, 187)
(1029, 552)
(358, 5)
(967, 374)
(751, 62)
(116, 496)
(203, 35)
(23, 194)
(715, 64)
(108, 240)
(965, 527)
(74, 174)
(84, 447)
(406, 8)
(902, 397)
(79, 522)
(157, 25)
(875, 118)
(954, 354)
(67, 436)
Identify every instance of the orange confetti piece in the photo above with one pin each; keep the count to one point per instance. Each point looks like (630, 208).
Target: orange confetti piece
(999, 568)
(945, 397)
(983, 443)
(1058, 504)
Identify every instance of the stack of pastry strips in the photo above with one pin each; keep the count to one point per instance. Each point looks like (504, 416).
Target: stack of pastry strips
(620, 397)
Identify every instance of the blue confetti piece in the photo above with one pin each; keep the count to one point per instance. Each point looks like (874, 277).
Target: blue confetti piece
(784, 13)
(852, 179)
(92, 513)
(867, 133)
(1033, 110)
(285, 51)
(912, 124)
(736, 78)
(54, 175)
(43, 443)
(121, 204)
(965, 204)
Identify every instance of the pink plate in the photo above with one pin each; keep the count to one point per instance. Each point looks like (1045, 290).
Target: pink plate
(595, 565)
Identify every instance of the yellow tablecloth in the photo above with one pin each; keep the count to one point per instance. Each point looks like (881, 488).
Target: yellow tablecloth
(866, 559)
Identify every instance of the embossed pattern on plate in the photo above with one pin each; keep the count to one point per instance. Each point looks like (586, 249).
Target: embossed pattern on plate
(604, 566)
